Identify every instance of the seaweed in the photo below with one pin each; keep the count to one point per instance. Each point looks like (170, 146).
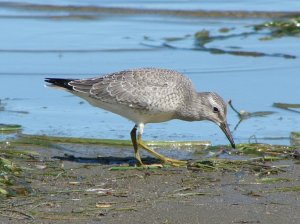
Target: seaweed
(277, 29)
(280, 28)
(288, 106)
(215, 164)
(10, 182)
(50, 140)
(295, 140)
(10, 128)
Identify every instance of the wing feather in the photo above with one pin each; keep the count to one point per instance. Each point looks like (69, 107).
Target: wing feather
(140, 88)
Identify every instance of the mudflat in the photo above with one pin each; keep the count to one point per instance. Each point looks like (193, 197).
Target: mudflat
(55, 187)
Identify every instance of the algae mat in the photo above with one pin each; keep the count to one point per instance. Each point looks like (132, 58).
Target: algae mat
(59, 188)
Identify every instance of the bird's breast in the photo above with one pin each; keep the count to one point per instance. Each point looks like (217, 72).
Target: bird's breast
(147, 114)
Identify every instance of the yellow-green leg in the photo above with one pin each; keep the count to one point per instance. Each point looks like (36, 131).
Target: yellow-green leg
(135, 146)
(165, 159)
(138, 142)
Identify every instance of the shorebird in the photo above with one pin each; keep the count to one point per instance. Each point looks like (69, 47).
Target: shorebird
(149, 95)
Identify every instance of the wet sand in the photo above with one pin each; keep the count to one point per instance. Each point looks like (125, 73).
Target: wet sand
(68, 189)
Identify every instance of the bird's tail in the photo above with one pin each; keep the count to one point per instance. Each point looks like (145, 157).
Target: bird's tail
(58, 82)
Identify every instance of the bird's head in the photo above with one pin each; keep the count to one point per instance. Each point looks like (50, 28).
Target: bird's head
(215, 110)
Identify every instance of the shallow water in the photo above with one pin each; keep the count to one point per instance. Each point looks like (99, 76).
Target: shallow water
(33, 48)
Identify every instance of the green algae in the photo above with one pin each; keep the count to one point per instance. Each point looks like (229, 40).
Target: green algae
(295, 134)
(261, 165)
(286, 27)
(263, 152)
(6, 165)
(202, 35)
(288, 106)
(225, 30)
(265, 149)
(50, 140)
(257, 167)
(280, 28)
(271, 180)
(10, 182)
(295, 138)
(256, 158)
(10, 128)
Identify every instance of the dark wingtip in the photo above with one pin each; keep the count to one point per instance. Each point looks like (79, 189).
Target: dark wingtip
(60, 82)
(233, 146)
(50, 80)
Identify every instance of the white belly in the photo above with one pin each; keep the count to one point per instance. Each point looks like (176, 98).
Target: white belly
(135, 115)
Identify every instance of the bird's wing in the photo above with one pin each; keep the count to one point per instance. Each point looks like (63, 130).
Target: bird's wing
(84, 85)
(140, 88)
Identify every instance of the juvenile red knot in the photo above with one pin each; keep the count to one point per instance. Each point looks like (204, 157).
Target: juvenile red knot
(149, 95)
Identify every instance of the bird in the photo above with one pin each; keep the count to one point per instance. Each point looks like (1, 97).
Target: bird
(149, 95)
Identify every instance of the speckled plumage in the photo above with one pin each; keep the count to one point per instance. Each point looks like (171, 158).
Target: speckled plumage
(149, 95)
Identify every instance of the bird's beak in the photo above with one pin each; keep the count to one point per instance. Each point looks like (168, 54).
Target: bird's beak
(225, 129)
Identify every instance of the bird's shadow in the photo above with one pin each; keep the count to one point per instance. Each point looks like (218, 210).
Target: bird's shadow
(106, 160)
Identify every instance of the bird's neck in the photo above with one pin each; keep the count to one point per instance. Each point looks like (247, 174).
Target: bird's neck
(193, 108)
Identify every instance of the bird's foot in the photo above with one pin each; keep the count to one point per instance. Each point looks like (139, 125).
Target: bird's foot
(152, 166)
(164, 159)
(174, 162)
(166, 162)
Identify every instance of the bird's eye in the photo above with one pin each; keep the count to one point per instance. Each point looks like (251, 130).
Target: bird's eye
(215, 109)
